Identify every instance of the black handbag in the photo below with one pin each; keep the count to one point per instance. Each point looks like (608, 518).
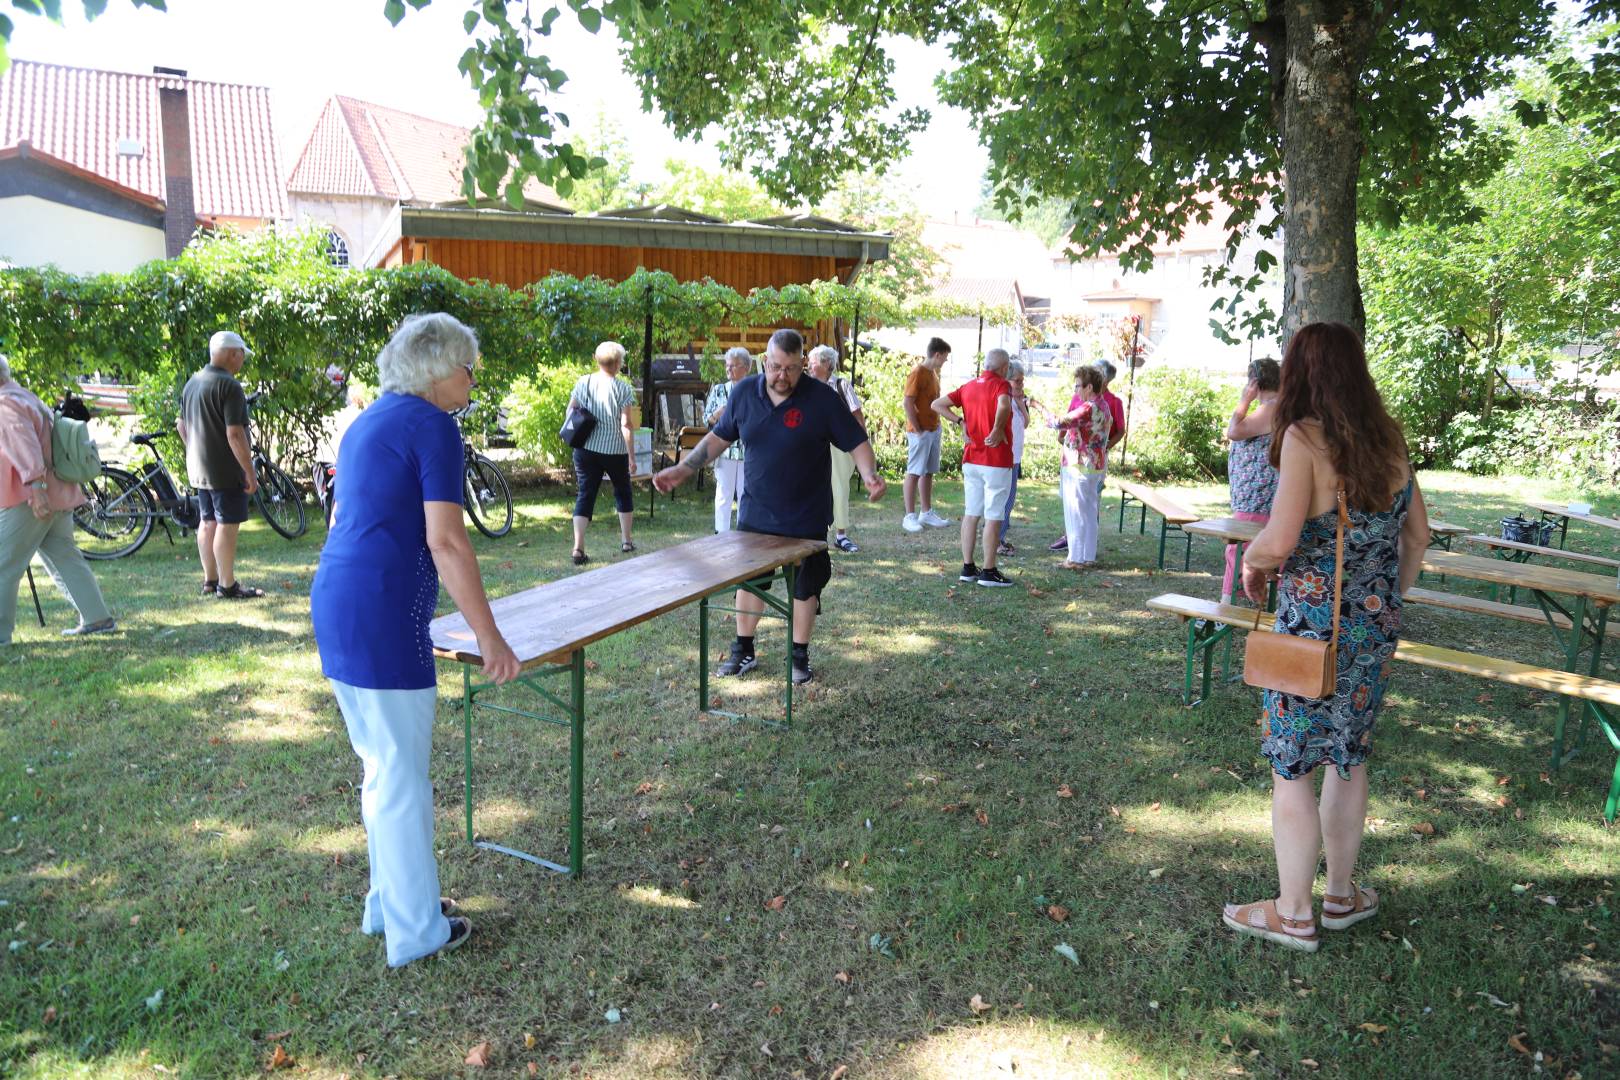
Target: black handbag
(578, 426)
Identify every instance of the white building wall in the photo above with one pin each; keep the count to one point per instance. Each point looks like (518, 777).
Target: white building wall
(358, 219)
(38, 232)
(962, 335)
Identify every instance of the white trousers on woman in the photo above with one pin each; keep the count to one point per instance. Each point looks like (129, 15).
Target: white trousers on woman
(392, 733)
(1082, 506)
(728, 485)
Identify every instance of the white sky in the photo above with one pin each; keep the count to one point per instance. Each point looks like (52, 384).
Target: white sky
(308, 50)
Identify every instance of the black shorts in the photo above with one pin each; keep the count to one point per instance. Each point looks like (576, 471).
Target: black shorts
(225, 507)
(814, 574)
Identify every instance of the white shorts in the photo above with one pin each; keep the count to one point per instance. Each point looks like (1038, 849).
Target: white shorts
(985, 488)
(922, 452)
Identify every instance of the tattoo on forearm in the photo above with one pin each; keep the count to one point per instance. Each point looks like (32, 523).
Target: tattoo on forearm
(698, 456)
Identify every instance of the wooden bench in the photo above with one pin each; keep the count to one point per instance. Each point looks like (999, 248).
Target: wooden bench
(1514, 551)
(1172, 515)
(107, 397)
(1478, 606)
(549, 626)
(1209, 621)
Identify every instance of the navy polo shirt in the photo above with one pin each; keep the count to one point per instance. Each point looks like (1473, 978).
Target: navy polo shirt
(787, 473)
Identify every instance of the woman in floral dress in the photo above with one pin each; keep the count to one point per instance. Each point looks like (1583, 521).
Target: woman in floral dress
(1085, 455)
(1337, 437)
(1250, 475)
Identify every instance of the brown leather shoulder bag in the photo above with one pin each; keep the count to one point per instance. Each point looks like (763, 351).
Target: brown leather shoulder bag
(1304, 667)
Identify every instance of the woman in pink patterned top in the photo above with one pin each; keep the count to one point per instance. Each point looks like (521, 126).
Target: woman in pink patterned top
(36, 513)
(1085, 456)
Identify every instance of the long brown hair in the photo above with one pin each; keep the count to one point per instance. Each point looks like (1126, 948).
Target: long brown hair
(1325, 378)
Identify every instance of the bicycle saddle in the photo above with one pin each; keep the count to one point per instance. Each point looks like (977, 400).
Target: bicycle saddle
(146, 439)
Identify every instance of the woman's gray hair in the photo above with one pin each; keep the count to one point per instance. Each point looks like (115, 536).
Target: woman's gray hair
(826, 354)
(5, 368)
(610, 352)
(425, 349)
(737, 352)
(1015, 370)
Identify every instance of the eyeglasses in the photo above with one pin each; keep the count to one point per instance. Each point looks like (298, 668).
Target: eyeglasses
(468, 368)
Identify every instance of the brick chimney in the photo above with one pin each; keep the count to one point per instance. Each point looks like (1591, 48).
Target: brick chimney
(180, 212)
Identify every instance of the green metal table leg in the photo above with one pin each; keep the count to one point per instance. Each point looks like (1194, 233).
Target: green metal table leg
(1122, 511)
(576, 766)
(703, 654)
(1186, 559)
(466, 716)
(1141, 528)
(1572, 654)
(1164, 532)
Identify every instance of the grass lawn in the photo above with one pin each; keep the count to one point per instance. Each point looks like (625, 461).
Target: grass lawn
(978, 778)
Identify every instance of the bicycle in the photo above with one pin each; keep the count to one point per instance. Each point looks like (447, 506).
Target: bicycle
(278, 498)
(122, 505)
(484, 490)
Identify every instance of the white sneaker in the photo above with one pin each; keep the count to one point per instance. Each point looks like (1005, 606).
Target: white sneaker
(910, 523)
(928, 517)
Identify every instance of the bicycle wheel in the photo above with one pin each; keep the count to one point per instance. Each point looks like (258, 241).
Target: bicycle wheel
(280, 501)
(117, 519)
(486, 496)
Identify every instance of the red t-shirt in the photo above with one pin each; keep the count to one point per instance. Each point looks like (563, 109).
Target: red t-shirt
(1116, 408)
(977, 400)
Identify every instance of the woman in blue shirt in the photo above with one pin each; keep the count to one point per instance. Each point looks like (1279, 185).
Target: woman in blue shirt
(396, 527)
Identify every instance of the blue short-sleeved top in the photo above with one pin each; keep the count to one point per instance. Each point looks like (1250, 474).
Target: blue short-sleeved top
(787, 475)
(376, 586)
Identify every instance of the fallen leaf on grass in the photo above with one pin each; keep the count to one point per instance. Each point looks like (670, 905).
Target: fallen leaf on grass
(1066, 951)
(950, 808)
(644, 788)
(1493, 999)
(1065, 792)
(1376, 1029)
(1057, 912)
(50, 1014)
(277, 1036)
(1154, 808)
(1156, 873)
(279, 1059)
(981, 817)
(1423, 828)
(839, 1073)
(776, 903)
(1518, 1043)
(1310, 1063)
(534, 1068)
(979, 1005)
(528, 1040)
(842, 976)
(478, 1056)
(1503, 781)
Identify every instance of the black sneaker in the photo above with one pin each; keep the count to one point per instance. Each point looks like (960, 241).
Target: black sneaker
(802, 671)
(845, 544)
(993, 578)
(738, 663)
(460, 931)
(969, 572)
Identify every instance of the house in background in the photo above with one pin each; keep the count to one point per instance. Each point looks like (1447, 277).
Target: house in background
(991, 266)
(1171, 297)
(101, 171)
(363, 163)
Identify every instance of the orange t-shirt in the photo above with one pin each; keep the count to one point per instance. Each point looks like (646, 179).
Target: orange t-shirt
(922, 387)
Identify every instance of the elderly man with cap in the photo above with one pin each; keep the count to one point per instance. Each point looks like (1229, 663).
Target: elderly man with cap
(213, 425)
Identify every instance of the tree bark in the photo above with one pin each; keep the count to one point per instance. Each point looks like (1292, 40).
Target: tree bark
(1326, 44)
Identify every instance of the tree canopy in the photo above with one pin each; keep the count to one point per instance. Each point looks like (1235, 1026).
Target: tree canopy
(1298, 114)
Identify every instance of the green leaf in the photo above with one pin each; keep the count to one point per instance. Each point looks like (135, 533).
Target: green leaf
(469, 21)
(394, 11)
(590, 19)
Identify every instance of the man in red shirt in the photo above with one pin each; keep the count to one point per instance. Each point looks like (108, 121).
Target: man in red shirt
(1116, 407)
(987, 461)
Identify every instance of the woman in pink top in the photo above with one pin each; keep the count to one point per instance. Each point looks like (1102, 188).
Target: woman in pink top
(36, 513)
(1085, 430)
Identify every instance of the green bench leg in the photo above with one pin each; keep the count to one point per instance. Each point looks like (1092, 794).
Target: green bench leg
(1202, 637)
(775, 609)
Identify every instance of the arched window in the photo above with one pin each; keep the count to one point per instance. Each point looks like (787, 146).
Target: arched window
(337, 249)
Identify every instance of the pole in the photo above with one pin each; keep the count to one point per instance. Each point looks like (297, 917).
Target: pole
(1130, 388)
(978, 360)
(854, 340)
(39, 611)
(649, 398)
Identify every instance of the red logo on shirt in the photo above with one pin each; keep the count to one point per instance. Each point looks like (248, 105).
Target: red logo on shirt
(793, 418)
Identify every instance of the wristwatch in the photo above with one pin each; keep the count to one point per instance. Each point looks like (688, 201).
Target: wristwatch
(39, 485)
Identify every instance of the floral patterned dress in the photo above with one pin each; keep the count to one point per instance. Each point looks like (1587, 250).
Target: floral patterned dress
(1252, 480)
(1301, 733)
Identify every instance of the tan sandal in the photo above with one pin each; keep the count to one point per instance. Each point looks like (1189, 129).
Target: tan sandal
(1277, 929)
(1356, 908)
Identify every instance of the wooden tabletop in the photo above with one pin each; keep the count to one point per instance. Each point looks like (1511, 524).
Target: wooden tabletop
(1229, 529)
(546, 623)
(1563, 510)
(1534, 576)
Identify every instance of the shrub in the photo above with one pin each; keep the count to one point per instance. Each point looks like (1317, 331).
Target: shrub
(1181, 439)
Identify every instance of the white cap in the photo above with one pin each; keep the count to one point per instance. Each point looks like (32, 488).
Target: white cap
(227, 339)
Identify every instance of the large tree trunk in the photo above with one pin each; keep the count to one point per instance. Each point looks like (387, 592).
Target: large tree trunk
(1326, 43)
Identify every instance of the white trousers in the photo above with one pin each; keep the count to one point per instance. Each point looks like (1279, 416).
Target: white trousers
(392, 733)
(843, 467)
(728, 485)
(1082, 505)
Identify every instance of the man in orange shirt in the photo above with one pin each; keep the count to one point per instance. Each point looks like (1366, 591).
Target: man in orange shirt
(923, 438)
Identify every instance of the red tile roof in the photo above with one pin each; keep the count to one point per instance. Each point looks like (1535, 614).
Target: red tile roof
(79, 115)
(358, 148)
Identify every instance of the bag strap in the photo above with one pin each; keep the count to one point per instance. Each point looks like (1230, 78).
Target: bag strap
(1338, 568)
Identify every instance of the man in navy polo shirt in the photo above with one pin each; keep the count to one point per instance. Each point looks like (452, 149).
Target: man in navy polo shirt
(787, 422)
